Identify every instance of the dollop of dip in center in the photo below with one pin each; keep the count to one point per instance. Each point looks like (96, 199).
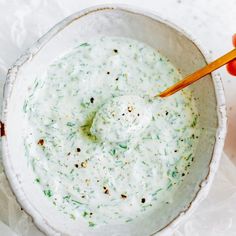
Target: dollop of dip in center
(121, 118)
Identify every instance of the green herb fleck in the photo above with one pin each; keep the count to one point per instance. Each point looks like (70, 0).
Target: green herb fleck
(124, 146)
(85, 213)
(84, 45)
(188, 157)
(194, 123)
(174, 174)
(91, 224)
(169, 185)
(77, 202)
(67, 197)
(47, 192)
(25, 106)
(70, 124)
(155, 193)
(128, 220)
(112, 152)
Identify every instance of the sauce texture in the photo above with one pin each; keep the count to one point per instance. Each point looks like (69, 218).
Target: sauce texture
(109, 176)
(121, 119)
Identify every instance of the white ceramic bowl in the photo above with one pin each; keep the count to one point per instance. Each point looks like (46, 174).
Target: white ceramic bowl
(170, 41)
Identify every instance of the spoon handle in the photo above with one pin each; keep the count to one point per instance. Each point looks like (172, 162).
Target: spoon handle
(199, 74)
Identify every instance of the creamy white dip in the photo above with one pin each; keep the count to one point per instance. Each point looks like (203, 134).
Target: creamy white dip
(102, 148)
(121, 118)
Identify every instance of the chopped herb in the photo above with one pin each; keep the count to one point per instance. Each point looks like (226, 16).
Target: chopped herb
(25, 106)
(174, 174)
(85, 213)
(84, 45)
(188, 157)
(47, 192)
(112, 152)
(91, 224)
(155, 193)
(169, 186)
(124, 146)
(128, 220)
(194, 123)
(67, 197)
(76, 202)
(84, 104)
(70, 124)
(71, 135)
(37, 180)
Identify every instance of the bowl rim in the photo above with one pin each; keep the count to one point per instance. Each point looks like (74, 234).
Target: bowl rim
(205, 184)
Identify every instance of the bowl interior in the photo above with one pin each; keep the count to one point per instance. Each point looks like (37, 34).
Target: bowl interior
(181, 51)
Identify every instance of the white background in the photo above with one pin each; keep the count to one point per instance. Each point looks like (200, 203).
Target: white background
(211, 22)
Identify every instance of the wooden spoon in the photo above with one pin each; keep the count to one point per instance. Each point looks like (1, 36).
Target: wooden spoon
(199, 74)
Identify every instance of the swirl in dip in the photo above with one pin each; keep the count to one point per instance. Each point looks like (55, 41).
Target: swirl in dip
(102, 149)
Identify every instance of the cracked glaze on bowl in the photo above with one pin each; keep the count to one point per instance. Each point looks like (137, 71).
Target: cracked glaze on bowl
(114, 20)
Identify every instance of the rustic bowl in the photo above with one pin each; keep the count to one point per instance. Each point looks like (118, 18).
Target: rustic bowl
(114, 20)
